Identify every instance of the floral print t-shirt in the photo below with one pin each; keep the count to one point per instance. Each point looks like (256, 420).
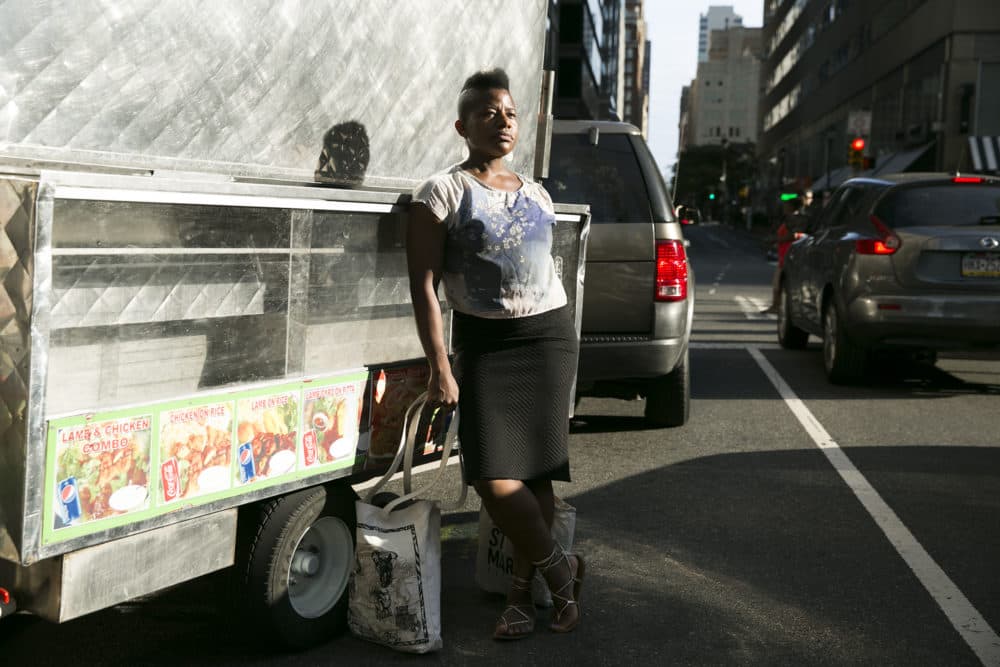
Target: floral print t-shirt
(498, 251)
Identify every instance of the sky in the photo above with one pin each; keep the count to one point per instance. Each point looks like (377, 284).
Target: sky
(672, 27)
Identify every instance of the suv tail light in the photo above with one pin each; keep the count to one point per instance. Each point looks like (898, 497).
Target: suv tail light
(886, 244)
(671, 271)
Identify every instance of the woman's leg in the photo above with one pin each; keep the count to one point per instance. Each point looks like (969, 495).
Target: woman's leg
(523, 512)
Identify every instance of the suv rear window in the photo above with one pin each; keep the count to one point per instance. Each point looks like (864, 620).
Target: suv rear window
(606, 176)
(943, 205)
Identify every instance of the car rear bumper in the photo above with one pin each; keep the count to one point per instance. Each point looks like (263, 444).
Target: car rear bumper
(630, 360)
(937, 320)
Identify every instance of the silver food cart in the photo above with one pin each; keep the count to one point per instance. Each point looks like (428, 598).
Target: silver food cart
(206, 331)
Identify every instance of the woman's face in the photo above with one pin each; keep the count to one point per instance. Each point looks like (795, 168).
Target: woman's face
(490, 127)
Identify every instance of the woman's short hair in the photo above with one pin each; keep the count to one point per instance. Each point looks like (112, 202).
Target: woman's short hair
(478, 83)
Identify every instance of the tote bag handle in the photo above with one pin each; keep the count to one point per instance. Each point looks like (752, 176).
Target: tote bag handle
(404, 455)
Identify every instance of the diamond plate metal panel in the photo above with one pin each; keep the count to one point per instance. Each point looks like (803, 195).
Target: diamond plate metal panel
(16, 251)
(101, 291)
(361, 89)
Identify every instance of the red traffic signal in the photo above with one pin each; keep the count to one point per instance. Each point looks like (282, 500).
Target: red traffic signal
(858, 144)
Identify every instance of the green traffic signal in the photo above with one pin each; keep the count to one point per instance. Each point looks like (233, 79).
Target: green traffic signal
(788, 196)
(711, 195)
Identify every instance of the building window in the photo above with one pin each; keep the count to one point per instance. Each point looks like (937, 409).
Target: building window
(568, 79)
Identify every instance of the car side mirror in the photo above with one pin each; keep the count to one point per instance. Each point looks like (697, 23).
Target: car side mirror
(688, 215)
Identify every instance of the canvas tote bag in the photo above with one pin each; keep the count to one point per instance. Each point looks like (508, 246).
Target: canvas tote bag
(395, 588)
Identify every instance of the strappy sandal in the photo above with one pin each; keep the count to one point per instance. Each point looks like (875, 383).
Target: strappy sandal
(516, 615)
(560, 602)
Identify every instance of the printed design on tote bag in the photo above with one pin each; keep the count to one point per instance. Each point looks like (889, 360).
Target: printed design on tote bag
(388, 578)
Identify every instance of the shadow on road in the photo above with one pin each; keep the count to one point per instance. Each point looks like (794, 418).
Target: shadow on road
(760, 558)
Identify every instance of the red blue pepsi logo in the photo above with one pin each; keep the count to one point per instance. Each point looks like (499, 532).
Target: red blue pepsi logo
(245, 456)
(68, 493)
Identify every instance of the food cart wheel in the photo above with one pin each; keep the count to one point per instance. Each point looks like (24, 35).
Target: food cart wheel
(295, 566)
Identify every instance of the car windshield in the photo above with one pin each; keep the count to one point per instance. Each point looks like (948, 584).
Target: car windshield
(944, 205)
(606, 176)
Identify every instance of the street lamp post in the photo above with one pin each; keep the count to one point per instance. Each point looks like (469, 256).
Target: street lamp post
(725, 188)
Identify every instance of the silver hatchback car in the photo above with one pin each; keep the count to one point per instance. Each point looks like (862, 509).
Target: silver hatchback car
(909, 261)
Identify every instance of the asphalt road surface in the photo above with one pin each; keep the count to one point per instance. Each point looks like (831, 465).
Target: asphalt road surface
(790, 522)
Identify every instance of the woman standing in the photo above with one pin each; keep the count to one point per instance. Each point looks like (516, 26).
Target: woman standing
(486, 231)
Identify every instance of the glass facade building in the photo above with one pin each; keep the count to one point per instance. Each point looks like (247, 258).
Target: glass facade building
(911, 66)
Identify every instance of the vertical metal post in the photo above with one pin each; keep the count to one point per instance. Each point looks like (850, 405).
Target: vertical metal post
(543, 140)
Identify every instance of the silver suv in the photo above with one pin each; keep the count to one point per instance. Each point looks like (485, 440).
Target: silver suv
(638, 300)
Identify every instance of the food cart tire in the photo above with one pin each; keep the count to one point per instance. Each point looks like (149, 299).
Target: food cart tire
(295, 556)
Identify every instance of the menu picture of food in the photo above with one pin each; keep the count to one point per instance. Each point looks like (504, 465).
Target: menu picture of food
(331, 419)
(266, 431)
(394, 391)
(102, 470)
(196, 446)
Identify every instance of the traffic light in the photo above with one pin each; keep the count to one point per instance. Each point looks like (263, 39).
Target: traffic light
(856, 155)
(711, 195)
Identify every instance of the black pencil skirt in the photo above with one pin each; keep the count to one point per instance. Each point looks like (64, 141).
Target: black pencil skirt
(514, 377)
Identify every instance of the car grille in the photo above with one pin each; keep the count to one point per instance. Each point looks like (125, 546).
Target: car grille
(614, 338)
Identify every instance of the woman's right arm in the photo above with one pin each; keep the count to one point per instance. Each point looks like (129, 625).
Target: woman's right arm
(425, 239)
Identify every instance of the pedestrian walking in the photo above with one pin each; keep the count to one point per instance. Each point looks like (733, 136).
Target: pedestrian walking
(486, 233)
(793, 225)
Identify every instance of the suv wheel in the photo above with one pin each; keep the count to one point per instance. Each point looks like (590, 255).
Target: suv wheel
(844, 360)
(668, 398)
(790, 336)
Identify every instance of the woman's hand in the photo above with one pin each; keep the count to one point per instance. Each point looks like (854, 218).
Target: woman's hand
(442, 390)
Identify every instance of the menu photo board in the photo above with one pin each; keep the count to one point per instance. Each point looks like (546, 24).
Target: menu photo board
(267, 436)
(119, 467)
(196, 451)
(331, 423)
(101, 469)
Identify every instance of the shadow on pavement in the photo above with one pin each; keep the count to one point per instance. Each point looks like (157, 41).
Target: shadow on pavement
(762, 558)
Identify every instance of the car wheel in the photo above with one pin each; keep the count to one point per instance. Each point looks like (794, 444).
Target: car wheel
(790, 336)
(844, 360)
(295, 564)
(668, 398)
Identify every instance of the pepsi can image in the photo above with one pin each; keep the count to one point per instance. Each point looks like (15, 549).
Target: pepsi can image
(70, 499)
(245, 457)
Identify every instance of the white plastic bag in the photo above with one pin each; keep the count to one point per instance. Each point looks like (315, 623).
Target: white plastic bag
(395, 588)
(495, 553)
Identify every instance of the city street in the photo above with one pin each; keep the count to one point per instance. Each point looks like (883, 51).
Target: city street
(791, 521)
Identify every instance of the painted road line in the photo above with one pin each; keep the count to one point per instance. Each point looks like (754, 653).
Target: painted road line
(761, 306)
(708, 345)
(969, 623)
(751, 309)
(718, 279)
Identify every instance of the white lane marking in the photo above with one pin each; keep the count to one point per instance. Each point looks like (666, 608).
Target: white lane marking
(718, 279)
(752, 309)
(969, 623)
(708, 345)
(759, 303)
(720, 242)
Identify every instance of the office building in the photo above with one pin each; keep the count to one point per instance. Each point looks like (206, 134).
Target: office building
(723, 99)
(636, 70)
(717, 18)
(586, 47)
(919, 80)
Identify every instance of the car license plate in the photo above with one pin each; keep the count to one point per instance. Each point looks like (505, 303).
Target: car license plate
(981, 265)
